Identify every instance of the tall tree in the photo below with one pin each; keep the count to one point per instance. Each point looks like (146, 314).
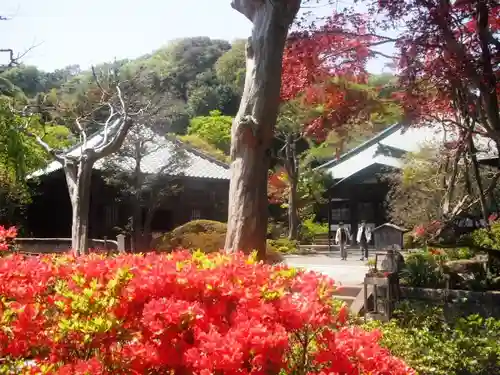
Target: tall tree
(253, 127)
(450, 67)
(78, 166)
(230, 67)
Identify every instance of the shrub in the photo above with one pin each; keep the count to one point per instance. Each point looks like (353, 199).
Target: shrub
(489, 239)
(459, 253)
(423, 269)
(282, 245)
(310, 229)
(431, 344)
(177, 313)
(208, 235)
(410, 242)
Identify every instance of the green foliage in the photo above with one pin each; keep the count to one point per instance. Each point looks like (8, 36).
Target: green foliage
(311, 229)
(200, 144)
(409, 241)
(459, 253)
(20, 154)
(423, 269)
(489, 239)
(197, 234)
(431, 344)
(311, 189)
(282, 245)
(209, 236)
(230, 67)
(276, 229)
(215, 129)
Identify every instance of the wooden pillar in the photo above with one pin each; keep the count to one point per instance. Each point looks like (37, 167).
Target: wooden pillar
(329, 221)
(353, 209)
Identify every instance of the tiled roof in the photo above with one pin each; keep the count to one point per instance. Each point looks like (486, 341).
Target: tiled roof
(396, 137)
(198, 165)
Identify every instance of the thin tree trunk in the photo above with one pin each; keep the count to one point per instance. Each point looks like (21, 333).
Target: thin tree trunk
(253, 128)
(477, 177)
(292, 170)
(137, 219)
(136, 224)
(293, 214)
(79, 186)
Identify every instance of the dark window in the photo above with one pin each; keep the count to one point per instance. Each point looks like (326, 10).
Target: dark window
(341, 211)
(111, 216)
(366, 211)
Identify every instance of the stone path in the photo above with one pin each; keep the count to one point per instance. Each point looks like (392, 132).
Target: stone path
(350, 272)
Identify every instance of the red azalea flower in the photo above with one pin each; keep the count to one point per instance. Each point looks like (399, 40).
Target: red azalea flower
(218, 313)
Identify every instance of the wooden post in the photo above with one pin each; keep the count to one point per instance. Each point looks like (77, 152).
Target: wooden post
(329, 222)
(121, 243)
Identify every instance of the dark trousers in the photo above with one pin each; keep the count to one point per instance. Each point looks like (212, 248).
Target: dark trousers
(364, 248)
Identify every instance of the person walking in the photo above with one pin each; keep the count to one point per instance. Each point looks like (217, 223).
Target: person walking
(341, 238)
(363, 238)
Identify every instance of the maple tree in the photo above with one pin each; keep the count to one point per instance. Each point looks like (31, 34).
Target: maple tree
(325, 95)
(449, 65)
(327, 67)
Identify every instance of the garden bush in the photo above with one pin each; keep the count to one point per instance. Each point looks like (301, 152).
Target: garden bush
(179, 313)
(282, 246)
(423, 269)
(208, 235)
(310, 229)
(433, 345)
(410, 242)
(430, 268)
(489, 239)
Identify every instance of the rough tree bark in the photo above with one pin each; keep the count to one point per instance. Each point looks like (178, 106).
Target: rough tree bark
(253, 127)
(78, 178)
(292, 170)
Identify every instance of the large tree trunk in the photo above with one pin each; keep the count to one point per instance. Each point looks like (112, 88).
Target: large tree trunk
(78, 179)
(253, 127)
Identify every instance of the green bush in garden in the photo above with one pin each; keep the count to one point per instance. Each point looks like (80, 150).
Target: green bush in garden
(432, 345)
(310, 229)
(428, 267)
(422, 269)
(210, 236)
(282, 245)
(489, 239)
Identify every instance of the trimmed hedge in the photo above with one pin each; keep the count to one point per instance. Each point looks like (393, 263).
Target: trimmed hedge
(210, 236)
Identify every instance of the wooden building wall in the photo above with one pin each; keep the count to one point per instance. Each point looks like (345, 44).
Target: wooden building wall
(361, 197)
(49, 215)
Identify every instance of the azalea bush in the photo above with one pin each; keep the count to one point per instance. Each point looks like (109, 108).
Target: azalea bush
(178, 313)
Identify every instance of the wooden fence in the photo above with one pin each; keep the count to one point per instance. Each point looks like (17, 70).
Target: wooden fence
(63, 245)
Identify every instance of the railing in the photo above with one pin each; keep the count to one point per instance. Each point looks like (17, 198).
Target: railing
(63, 245)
